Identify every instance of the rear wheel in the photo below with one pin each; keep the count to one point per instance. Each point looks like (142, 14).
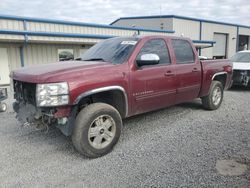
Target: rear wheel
(3, 107)
(215, 96)
(97, 129)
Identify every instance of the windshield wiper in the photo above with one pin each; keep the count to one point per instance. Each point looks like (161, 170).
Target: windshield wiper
(94, 59)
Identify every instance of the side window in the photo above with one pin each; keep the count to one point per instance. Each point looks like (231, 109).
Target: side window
(183, 51)
(156, 46)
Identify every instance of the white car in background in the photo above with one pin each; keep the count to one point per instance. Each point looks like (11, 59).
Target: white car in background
(241, 68)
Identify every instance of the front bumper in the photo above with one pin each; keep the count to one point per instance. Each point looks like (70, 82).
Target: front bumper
(61, 117)
(241, 77)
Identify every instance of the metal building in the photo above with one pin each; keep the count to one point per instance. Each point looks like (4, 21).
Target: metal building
(28, 41)
(228, 38)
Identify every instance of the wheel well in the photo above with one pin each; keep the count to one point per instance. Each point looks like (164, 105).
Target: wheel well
(115, 98)
(221, 78)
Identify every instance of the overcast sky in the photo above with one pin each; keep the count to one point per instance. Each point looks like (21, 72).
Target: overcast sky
(106, 11)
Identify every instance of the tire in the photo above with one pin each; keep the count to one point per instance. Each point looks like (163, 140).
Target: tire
(213, 101)
(3, 107)
(97, 129)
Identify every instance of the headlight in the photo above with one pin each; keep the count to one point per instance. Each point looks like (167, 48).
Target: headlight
(55, 94)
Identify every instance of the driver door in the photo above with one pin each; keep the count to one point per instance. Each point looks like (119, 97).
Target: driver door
(153, 86)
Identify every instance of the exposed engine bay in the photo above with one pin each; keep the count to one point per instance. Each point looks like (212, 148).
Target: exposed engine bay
(28, 114)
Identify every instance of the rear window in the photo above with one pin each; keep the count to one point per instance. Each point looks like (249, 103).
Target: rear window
(241, 57)
(183, 51)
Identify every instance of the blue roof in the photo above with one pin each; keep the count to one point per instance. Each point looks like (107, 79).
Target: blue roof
(180, 17)
(55, 34)
(76, 35)
(10, 17)
(73, 35)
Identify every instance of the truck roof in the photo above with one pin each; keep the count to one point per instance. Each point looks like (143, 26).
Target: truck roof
(165, 36)
(137, 37)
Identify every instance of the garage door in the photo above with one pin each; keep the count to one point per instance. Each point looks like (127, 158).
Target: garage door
(4, 67)
(220, 47)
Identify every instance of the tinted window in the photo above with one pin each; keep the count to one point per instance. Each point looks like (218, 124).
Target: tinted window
(183, 51)
(156, 46)
(114, 50)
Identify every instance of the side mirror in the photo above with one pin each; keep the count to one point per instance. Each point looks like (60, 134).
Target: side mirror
(148, 59)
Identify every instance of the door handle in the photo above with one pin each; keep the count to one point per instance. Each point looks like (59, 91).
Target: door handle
(169, 73)
(195, 70)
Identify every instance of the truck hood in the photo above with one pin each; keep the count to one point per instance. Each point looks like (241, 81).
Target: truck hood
(57, 72)
(241, 66)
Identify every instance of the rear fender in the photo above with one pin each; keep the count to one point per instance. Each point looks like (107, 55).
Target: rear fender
(207, 81)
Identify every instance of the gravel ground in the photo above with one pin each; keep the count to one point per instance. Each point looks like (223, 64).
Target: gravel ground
(174, 147)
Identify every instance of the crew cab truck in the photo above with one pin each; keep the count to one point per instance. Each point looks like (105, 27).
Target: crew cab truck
(115, 79)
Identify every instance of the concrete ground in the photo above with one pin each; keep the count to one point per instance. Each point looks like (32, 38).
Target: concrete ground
(181, 146)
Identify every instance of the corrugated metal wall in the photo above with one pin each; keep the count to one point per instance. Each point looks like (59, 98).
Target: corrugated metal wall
(208, 30)
(152, 23)
(186, 28)
(62, 40)
(11, 25)
(44, 49)
(244, 31)
(12, 38)
(52, 27)
(191, 28)
(13, 55)
(46, 26)
(46, 53)
(37, 53)
(144, 33)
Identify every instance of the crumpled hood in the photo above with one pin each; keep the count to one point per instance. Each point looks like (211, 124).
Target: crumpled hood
(60, 71)
(241, 66)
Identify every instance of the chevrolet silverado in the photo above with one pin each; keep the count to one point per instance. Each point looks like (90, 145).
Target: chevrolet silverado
(117, 78)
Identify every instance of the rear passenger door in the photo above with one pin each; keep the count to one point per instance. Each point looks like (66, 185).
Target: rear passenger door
(188, 70)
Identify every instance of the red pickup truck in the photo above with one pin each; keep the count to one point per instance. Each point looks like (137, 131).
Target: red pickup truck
(117, 78)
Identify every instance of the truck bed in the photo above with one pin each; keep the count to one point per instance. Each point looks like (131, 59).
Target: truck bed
(211, 68)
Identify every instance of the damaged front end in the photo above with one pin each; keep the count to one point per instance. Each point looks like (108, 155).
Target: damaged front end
(34, 107)
(241, 77)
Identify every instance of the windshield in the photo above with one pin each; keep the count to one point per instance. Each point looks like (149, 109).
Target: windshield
(241, 57)
(114, 50)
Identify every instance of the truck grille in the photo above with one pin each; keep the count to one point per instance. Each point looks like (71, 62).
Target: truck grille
(24, 92)
(241, 77)
(239, 72)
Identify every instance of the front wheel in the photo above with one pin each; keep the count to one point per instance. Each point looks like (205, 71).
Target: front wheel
(97, 129)
(215, 96)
